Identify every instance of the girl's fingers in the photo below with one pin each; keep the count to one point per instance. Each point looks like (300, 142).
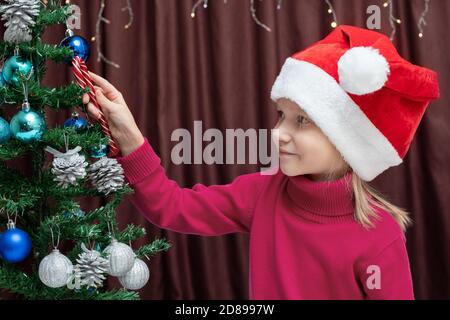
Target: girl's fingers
(102, 99)
(108, 89)
(103, 83)
(97, 88)
(85, 98)
(93, 111)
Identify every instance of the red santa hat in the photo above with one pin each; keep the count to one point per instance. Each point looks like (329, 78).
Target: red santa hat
(362, 94)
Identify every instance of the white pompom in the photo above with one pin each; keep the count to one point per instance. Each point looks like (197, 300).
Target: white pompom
(363, 70)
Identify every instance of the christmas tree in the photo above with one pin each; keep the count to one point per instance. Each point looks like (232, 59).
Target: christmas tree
(49, 247)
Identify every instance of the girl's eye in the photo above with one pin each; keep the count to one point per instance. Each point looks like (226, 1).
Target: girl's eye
(280, 114)
(302, 120)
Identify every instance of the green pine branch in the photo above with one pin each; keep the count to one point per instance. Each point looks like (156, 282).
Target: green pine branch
(55, 138)
(13, 149)
(48, 17)
(39, 49)
(17, 193)
(130, 233)
(149, 250)
(64, 98)
(15, 280)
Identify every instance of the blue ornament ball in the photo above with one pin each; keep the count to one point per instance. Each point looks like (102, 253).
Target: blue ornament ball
(79, 46)
(99, 151)
(2, 80)
(5, 131)
(15, 67)
(15, 245)
(27, 126)
(80, 124)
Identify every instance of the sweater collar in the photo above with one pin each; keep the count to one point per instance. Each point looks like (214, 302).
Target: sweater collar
(322, 201)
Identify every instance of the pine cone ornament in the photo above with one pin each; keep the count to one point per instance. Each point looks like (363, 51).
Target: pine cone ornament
(68, 167)
(91, 268)
(106, 175)
(19, 16)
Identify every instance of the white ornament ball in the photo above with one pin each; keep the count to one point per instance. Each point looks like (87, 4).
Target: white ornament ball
(363, 70)
(137, 277)
(121, 258)
(55, 270)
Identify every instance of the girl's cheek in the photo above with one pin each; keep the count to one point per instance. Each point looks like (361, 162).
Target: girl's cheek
(304, 142)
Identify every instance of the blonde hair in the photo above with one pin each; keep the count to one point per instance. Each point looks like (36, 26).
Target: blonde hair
(367, 198)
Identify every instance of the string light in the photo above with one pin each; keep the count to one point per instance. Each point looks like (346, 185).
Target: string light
(101, 19)
(331, 10)
(422, 21)
(129, 8)
(279, 4)
(392, 20)
(98, 37)
(255, 18)
(252, 11)
(194, 8)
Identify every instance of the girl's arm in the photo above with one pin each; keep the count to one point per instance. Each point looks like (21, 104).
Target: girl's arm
(203, 210)
(387, 276)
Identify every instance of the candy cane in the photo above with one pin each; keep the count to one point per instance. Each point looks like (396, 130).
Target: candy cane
(84, 80)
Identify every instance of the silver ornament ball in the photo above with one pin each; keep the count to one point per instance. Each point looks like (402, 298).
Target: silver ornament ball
(55, 270)
(137, 277)
(121, 258)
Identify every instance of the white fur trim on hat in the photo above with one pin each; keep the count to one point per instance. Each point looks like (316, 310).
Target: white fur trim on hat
(359, 141)
(362, 70)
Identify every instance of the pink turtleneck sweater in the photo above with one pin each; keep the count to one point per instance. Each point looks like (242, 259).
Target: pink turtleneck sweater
(304, 241)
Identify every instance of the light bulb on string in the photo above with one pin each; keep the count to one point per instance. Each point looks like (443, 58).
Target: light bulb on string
(422, 22)
(331, 10)
(252, 11)
(392, 20)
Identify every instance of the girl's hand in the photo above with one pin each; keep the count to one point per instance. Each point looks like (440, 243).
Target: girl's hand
(120, 120)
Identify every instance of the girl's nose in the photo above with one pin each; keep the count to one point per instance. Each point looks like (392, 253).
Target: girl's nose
(281, 135)
(284, 137)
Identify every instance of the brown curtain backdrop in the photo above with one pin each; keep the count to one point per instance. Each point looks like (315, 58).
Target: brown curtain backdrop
(219, 68)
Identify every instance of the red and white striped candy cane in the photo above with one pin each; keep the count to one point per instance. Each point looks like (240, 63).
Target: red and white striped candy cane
(84, 80)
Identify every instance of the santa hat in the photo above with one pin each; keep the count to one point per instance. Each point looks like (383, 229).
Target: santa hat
(362, 94)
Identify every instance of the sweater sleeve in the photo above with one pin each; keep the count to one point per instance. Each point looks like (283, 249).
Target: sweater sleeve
(202, 210)
(387, 276)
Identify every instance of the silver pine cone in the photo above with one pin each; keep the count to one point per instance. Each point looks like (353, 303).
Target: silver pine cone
(19, 16)
(106, 175)
(91, 268)
(68, 167)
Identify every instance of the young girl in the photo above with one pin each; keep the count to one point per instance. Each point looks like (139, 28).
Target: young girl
(348, 108)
